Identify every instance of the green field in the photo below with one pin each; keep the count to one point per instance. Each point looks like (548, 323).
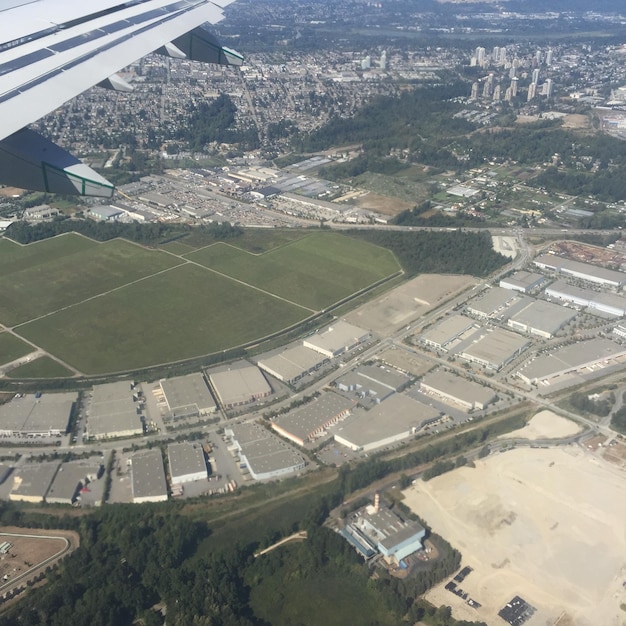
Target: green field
(12, 348)
(116, 306)
(315, 271)
(44, 277)
(183, 313)
(43, 367)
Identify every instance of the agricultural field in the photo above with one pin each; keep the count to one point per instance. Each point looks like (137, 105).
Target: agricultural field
(314, 272)
(12, 348)
(116, 306)
(44, 277)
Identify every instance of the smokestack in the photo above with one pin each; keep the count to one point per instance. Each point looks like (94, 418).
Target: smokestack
(376, 502)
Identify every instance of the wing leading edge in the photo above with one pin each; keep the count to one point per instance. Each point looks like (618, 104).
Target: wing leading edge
(45, 61)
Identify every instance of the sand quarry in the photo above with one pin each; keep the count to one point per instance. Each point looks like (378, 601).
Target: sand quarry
(547, 524)
(545, 425)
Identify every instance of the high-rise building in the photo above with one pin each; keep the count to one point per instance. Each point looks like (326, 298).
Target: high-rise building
(474, 95)
(507, 95)
(497, 93)
(383, 60)
(535, 78)
(549, 57)
(532, 88)
(366, 63)
(480, 55)
(548, 88)
(514, 87)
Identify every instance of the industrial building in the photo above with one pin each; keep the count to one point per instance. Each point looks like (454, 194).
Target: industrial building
(609, 303)
(588, 355)
(37, 415)
(187, 396)
(31, 482)
(336, 339)
(242, 383)
(113, 411)
(378, 529)
(495, 349)
(541, 318)
(292, 364)
(263, 454)
(492, 304)
(457, 390)
(620, 331)
(313, 419)
(187, 462)
(522, 281)
(394, 420)
(447, 332)
(584, 271)
(71, 478)
(148, 474)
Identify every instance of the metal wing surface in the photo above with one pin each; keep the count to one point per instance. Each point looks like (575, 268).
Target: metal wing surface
(53, 50)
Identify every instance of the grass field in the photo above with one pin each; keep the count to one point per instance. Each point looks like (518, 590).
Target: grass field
(56, 273)
(43, 367)
(116, 306)
(180, 314)
(12, 348)
(315, 271)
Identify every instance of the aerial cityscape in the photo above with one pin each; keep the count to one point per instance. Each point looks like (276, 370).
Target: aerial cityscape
(315, 314)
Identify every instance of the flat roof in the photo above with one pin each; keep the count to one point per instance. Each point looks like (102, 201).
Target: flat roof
(69, 475)
(306, 419)
(544, 316)
(186, 458)
(392, 417)
(385, 376)
(112, 409)
(389, 530)
(447, 329)
(33, 480)
(569, 358)
(239, 384)
(565, 290)
(188, 391)
(492, 301)
(49, 412)
(337, 337)
(522, 279)
(496, 347)
(459, 387)
(148, 474)
(292, 362)
(586, 269)
(264, 451)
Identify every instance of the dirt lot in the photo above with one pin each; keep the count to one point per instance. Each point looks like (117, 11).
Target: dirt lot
(31, 551)
(545, 425)
(407, 302)
(544, 524)
(383, 204)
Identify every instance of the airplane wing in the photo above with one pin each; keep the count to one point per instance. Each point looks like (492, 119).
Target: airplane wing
(53, 50)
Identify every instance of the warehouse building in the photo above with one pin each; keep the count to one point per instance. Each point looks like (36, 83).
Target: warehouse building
(394, 420)
(187, 396)
(492, 304)
(263, 454)
(187, 462)
(380, 529)
(522, 281)
(31, 482)
(148, 477)
(541, 318)
(366, 391)
(447, 332)
(584, 271)
(609, 303)
(113, 412)
(590, 354)
(311, 421)
(620, 331)
(336, 339)
(240, 384)
(495, 349)
(293, 364)
(457, 390)
(37, 415)
(71, 478)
